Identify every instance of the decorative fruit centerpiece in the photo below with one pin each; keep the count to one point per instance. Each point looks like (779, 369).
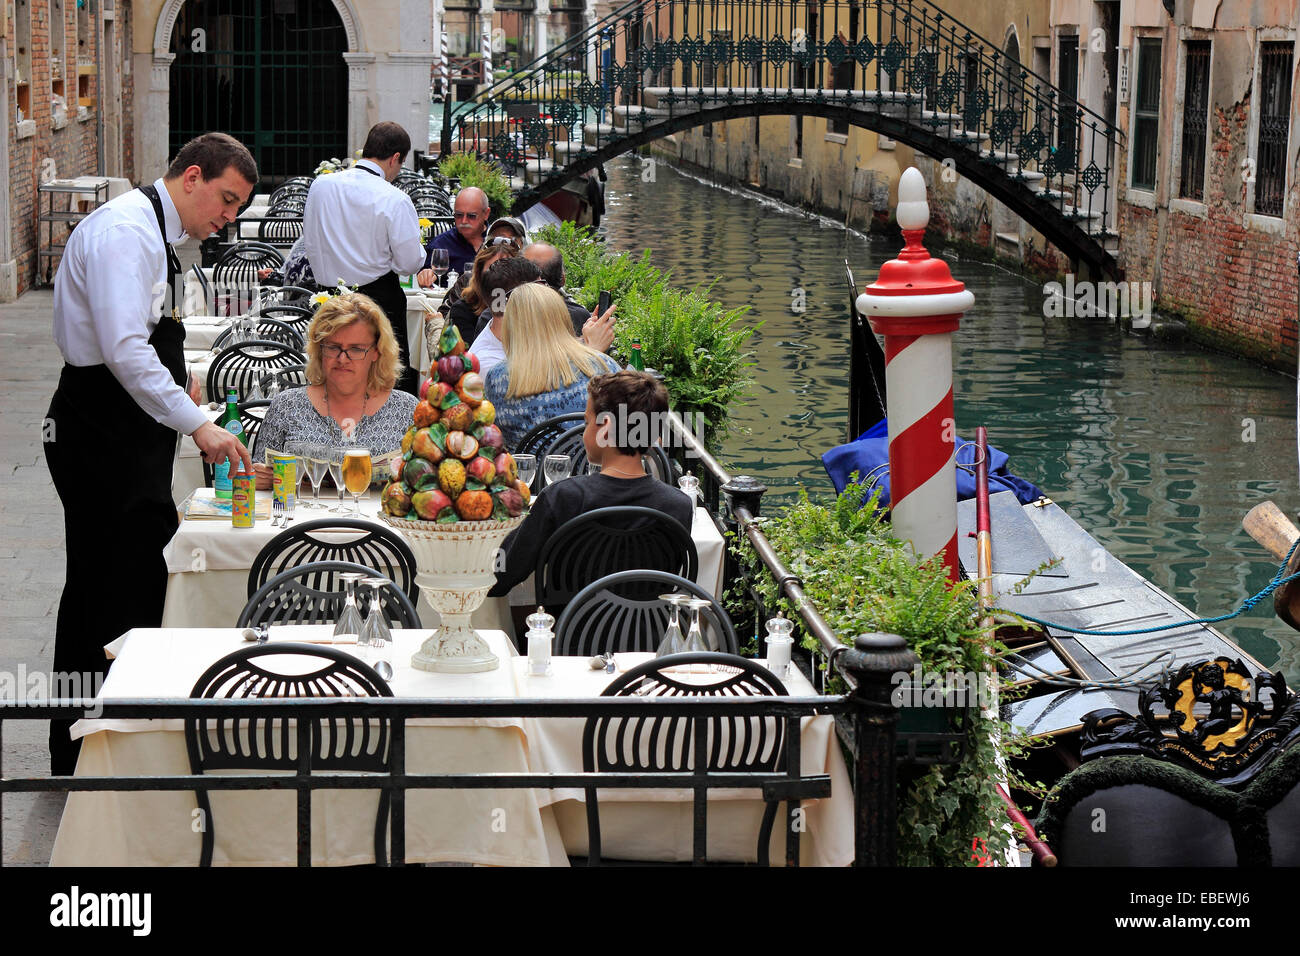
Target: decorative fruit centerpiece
(454, 494)
(454, 465)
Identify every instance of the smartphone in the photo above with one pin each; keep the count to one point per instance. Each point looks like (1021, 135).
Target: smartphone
(602, 306)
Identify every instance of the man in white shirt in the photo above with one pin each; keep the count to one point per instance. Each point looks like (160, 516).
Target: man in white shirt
(360, 228)
(111, 431)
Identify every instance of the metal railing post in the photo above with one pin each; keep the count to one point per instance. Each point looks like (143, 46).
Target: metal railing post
(873, 661)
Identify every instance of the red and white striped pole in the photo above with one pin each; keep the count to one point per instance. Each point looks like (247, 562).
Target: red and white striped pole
(917, 305)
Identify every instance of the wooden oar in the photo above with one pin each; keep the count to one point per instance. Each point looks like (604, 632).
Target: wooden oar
(1274, 531)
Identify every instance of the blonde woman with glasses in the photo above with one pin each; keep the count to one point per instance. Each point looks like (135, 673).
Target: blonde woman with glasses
(352, 367)
(546, 369)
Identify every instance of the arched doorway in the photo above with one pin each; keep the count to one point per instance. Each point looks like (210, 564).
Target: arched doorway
(269, 72)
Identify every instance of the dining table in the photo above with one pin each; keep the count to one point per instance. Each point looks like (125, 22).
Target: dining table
(504, 826)
(208, 562)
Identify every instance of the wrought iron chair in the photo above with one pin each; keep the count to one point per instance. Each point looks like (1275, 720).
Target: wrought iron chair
(622, 612)
(251, 414)
(251, 743)
(292, 314)
(205, 287)
(667, 744)
(605, 541)
(364, 542)
(568, 442)
(239, 265)
(282, 225)
(542, 435)
(267, 330)
(241, 365)
(287, 295)
(312, 594)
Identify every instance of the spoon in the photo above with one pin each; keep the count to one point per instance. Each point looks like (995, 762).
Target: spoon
(384, 670)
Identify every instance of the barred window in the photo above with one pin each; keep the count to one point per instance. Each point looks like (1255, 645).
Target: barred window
(1146, 115)
(1274, 126)
(1196, 106)
(843, 76)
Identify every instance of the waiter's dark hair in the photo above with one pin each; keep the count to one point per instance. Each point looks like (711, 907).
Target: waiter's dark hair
(214, 153)
(384, 139)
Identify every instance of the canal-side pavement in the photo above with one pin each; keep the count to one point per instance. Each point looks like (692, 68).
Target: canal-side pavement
(31, 555)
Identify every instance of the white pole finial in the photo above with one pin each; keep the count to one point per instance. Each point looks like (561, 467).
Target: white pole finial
(913, 210)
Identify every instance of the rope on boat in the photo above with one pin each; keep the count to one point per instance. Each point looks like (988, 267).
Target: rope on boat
(1247, 605)
(1127, 679)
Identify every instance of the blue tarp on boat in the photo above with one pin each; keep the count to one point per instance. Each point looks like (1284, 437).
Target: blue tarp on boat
(868, 455)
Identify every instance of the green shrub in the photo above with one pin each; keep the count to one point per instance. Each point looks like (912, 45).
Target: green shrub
(697, 344)
(862, 579)
(472, 171)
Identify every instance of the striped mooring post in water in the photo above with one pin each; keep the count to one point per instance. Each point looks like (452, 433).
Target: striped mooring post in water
(916, 305)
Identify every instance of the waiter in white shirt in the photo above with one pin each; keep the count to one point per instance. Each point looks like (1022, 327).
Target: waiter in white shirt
(360, 228)
(112, 426)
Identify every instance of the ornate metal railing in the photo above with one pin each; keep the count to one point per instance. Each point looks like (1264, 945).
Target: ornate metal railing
(904, 68)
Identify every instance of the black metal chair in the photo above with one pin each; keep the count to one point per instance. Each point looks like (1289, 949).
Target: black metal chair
(205, 287)
(313, 594)
(238, 366)
(251, 414)
(542, 435)
(251, 743)
(650, 745)
(282, 226)
(239, 265)
(568, 442)
(366, 543)
(657, 463)
(295, 315)
(266, 330)
(287, 295)
(622, 612)
(605, 541)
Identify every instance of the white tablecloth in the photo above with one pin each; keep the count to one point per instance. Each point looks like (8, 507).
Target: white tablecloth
(520, 827)
(208, 562)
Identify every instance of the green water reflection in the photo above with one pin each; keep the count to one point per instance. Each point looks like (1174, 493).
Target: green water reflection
(1148, 446)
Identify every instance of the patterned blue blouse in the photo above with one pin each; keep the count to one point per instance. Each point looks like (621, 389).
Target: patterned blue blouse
(516, 415)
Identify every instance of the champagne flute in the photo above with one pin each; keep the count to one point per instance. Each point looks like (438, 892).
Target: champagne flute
(316, 465)
(299, 451)
(695, 640)
(556, 468)
(356, 475)
(376, 638)
(439, 262)
(672, 642)
(334, 457)
(527, 465)
(349, 622)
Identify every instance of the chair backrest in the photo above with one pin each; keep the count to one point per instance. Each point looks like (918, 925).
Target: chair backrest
(244, 743)
(568, 442)
(282, 225)
(337, 539)
(313, 594)
(205, 287)
(622, 613)
(294, 295)
(607, 540)
(238, 265)
(657, 463)
(292, 314)
(542, 435)
(238, 366)
(267, 330)
(251, 415)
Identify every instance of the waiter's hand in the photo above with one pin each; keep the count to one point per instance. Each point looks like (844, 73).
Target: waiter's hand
(426, 278)
(194, 390)
(598, 333)
(217, 444)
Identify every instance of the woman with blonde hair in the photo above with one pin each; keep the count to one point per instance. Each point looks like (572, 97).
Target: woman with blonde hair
(546, 369)
(467, 300)
(353, 364)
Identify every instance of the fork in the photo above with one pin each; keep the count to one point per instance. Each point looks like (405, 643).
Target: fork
(277, 512)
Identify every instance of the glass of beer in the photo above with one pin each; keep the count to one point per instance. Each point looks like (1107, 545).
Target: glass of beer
(356, 475)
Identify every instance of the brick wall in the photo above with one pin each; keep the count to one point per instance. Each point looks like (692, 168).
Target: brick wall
(73, 146)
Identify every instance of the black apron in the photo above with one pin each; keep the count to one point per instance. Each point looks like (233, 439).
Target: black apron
(388, 295)
(112, 468)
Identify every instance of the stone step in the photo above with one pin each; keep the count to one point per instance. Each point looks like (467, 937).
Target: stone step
(1051, 195)
(536, 169)
(593, 134)
(999, 156)
(965, 136)
(933, 119)
(1029, 176)
(567, 149)
(627, 116)
(1074, 212)
(688, 97)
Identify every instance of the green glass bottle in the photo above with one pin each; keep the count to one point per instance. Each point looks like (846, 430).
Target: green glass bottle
(637, 362)
(230, 421)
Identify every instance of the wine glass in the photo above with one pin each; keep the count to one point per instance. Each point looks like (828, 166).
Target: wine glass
(299, 451)
(376, 640)
(556, 468)
(317, 463)
(593, 468)
(439, 262)
(672, 642)
(695, 640)
(527, 465)
(356, 475)
(334, 458)
(349, 622)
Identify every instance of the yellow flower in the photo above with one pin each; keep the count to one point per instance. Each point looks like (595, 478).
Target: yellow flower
(425, 223)
(320, 298)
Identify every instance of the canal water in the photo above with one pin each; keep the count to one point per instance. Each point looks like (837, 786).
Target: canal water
(1158, 450)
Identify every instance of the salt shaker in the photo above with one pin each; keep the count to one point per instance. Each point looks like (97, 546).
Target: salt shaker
(539, 643)
(779, 644)
(690, 486)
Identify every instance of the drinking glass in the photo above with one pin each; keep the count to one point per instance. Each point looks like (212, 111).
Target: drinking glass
(356, 475)
(527, 465)
(349, 622)
(376, 640)
(593, 468)
(317, 463)
(672, 642)
(334, 457)
(439, 262)
(299, 451)
(556, 468)
(695, 640)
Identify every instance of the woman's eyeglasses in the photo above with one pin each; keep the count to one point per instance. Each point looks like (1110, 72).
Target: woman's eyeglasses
(356, 353)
